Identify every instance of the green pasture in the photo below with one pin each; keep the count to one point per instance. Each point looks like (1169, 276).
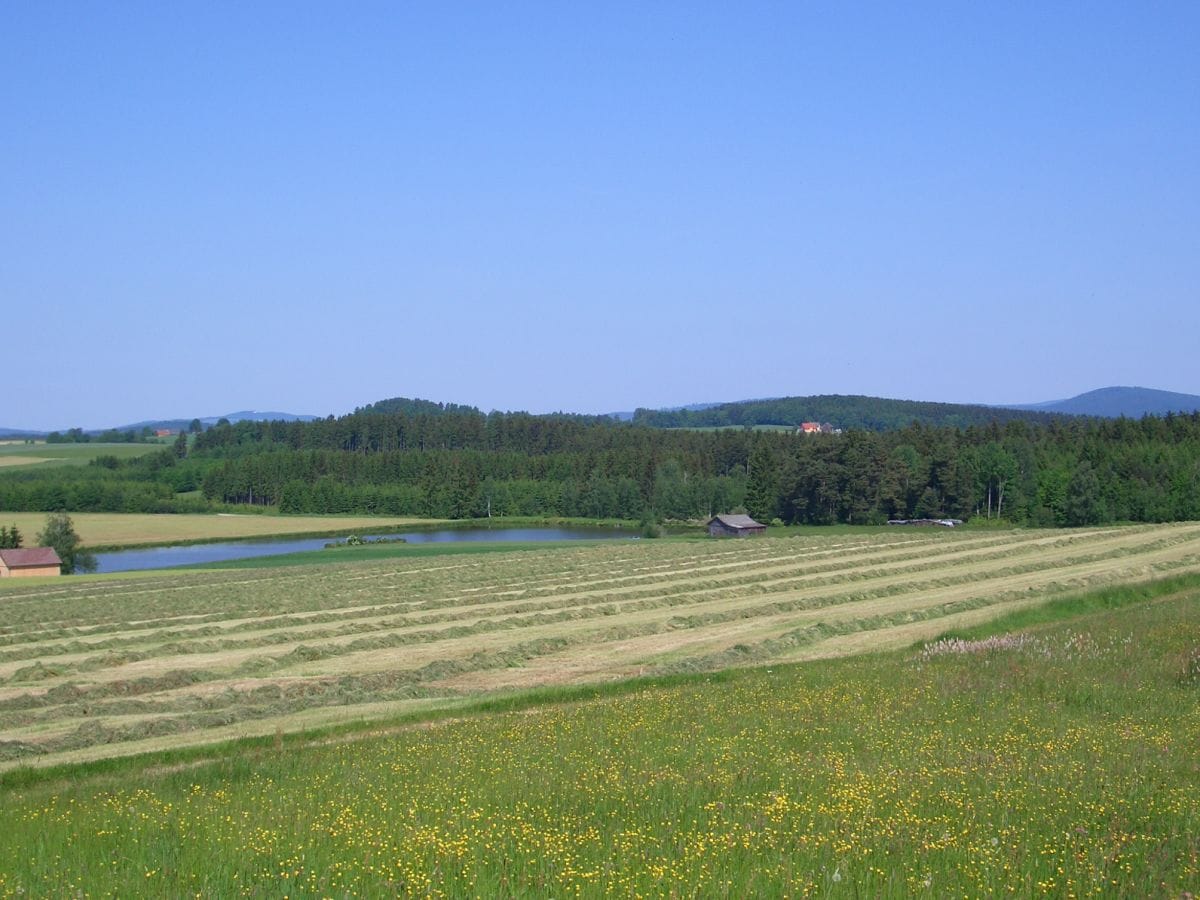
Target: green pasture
(13, 455)
(382, 551)
(115, 530)
(1052, 758)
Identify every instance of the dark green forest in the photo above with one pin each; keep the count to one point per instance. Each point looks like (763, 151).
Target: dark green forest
(460, 463)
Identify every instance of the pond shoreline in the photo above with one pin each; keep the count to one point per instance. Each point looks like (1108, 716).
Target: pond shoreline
(384, 527)
(190, 554)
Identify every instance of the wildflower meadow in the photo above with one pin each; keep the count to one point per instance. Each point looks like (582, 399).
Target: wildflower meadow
(1052, 753)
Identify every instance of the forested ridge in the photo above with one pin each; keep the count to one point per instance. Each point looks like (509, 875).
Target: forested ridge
(843, 411)
(460, 463)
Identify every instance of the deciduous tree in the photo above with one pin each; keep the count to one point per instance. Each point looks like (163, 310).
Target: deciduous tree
(59, 533)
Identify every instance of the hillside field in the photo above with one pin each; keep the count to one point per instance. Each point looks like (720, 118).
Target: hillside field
(18, 453)
(93, 667)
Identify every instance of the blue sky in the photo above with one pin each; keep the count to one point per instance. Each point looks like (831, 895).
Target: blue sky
(307, 207)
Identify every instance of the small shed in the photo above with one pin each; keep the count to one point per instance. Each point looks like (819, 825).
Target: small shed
(727, 525)
(29, 562)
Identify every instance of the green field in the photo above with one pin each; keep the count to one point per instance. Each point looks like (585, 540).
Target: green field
(93, 667)
(137, 529)
(1058, 761)
(14, 454)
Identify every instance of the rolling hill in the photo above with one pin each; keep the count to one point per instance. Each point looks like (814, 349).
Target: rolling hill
(1111, 402)
(869, 413)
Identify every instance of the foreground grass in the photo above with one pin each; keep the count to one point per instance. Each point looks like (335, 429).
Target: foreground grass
(1059, 762)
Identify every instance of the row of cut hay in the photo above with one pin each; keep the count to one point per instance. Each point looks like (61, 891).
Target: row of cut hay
(114, 600)
(384, 686)
(117, 659)
(75, 661)
(351, 634)
(906, 619)
(542, 634)
(203, 625)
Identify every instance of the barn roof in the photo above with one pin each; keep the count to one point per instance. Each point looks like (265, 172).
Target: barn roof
(737, 521)
(31, 556)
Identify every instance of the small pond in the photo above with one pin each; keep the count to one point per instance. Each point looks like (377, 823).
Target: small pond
(192, 554)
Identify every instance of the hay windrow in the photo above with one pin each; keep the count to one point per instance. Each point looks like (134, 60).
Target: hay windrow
(103, 665)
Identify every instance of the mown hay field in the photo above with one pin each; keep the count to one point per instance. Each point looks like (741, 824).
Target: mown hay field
(133, 529)
(1049, 761)
(113, 665)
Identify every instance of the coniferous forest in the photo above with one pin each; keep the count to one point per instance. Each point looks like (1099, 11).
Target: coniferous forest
(456, 462)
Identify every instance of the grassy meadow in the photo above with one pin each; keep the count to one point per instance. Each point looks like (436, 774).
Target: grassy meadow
(1057, 760)
(18, 453)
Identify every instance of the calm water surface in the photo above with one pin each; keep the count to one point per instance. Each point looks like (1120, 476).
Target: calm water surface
(191, 554)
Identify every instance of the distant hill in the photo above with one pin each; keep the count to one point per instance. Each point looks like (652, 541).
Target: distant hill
(411, 406)
(19, 433)
(628, 416)
(841, 411)
(244, 415)
(1111, 402)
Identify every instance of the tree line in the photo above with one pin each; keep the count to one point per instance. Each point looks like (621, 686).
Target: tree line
(842, 411)
(462, 463)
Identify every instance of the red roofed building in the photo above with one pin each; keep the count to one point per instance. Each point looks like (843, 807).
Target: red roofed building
(29, 562)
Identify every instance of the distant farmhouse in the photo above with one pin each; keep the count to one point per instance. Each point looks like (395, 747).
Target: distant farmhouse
(817, 428)
(29, 562)
(163, 432)
(734, 526)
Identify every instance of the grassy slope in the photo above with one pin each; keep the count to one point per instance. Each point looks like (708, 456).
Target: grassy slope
(68, 454)
(1059, 764)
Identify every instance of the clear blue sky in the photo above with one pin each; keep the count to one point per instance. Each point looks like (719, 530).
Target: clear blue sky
(307, 207)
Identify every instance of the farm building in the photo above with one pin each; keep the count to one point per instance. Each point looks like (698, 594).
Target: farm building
(734, 526)
(28, 562)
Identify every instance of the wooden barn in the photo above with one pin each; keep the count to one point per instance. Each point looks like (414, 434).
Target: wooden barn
(727, 525)
(29, 562)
